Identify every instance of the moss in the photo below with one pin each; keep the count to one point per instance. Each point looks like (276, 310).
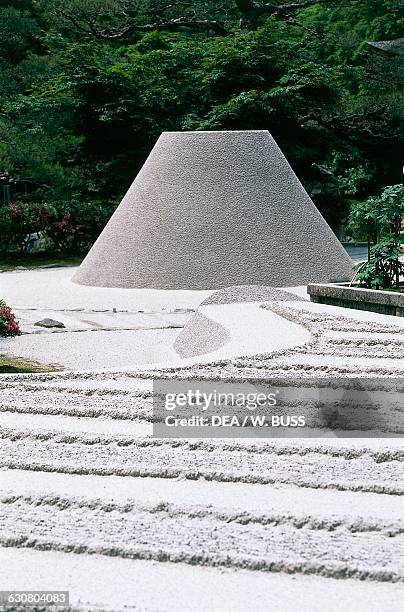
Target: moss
(17, 365)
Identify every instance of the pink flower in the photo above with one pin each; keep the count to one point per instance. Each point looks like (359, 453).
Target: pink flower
(8, 324)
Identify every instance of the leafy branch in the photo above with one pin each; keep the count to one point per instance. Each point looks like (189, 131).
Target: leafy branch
(119, 19)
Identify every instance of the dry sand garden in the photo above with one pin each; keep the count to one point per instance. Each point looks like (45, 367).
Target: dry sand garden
(201, 306)
(93, 504)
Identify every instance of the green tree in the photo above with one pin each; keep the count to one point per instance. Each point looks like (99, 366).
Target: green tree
(87, 86)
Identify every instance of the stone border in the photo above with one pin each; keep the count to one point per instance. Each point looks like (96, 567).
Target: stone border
(383, 302)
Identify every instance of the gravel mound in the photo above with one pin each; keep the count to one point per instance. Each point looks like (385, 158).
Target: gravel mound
(161, 246)
(201, 335)
(250, 293)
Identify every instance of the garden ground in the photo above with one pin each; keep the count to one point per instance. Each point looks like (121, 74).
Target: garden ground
(90, 502)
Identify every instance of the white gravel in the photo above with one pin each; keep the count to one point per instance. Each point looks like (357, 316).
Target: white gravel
(92, 350)
(45, 289)
(191, 525)
(97, 582)
(256, 498)
(139, 337)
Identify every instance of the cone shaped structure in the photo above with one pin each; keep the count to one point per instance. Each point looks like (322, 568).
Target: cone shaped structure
(211, 210)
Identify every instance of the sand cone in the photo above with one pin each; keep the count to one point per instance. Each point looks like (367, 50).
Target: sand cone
(214, 209)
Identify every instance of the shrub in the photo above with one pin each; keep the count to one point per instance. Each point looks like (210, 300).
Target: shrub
(5, 229)
(70, 226)
(21, 219)
(384, 268)
(8, 324)
(380, 219)
(76, 225)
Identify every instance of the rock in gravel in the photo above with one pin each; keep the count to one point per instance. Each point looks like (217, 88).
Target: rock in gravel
(49, 323)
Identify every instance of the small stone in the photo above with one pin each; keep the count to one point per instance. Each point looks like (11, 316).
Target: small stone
(49, 323)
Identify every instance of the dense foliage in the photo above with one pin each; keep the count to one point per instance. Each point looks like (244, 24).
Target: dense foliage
(68, 226)
(379, 218)
(87, 86)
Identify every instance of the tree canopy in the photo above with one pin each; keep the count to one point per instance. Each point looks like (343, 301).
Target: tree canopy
(87, 86)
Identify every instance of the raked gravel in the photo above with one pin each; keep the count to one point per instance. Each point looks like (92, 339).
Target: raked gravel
(91, 503)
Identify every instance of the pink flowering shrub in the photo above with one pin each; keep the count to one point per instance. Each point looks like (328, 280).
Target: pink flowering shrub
(77, 225)
(68, 227)
(21, 219)
(8, 325)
